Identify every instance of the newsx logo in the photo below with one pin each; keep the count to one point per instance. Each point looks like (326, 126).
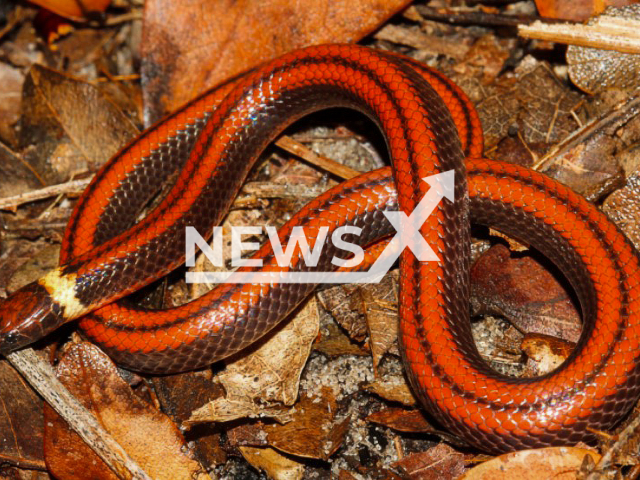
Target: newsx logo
(407, 236)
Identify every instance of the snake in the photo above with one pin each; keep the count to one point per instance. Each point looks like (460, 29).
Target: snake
(205, 151)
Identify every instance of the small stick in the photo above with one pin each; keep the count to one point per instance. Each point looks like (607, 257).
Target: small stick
(19, 14)
(41, 377)
(118, 78)
(276, 190)
(606, 461)
(331, 166)
(74, 186)
(607, 122)
(609, 33)
(125, 17)
(457, 17)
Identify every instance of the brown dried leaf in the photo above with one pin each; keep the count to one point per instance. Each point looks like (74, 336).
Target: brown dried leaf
(594, 69)
(14, 258)
(544, 353)
(313, 431)
(590, 168)
(18, 49)
(415, 37)
(514, 245)
(514, 150)
(14, 473)
(179, 395)
(499, 343)
(336, 343)
(392, 388)
(21, 422)
(345, 475)
(344, 303)
(11, 80)
(274, 464)
(49, 226)
(623, 208)
(439, 462)
(521, 290)
(16, 175)
(576, 10)
(272, 372)
(559, 463)
(532, 100)
(148, 435)
(545, 103)
(402, 420)
(72, 124)
(37, 264)
(226, 410)
(247, 434)
(485, 59)
(627, 156)
(411, 421)
(381, 308)
(187, 50)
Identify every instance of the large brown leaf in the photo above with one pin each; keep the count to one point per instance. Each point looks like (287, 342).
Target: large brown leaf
(21, 423)
(72, 124)
(576, 10)
(148, 435)
(191, 46)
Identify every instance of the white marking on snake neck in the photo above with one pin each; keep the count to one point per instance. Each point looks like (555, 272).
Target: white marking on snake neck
(62, 290)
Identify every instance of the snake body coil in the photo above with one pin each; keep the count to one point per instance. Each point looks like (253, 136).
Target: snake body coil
(430, 127)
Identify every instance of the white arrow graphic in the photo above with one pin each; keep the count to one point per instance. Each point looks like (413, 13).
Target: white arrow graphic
(407, 236)
(408, 227)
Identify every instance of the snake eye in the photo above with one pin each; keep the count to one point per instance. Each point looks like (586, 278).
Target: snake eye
(10, 342)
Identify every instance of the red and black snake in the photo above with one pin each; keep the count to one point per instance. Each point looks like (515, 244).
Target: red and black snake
(430, 127)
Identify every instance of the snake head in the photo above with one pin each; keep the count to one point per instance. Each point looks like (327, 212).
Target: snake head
(26, 316)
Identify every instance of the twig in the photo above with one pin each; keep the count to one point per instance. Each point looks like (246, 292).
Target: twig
(421, 41)
(618, 116)
(288, 191)
(456, 17)
(282, 190)
(74, 186)
(614, 450)
(609, 33)
(331, 166)
(42, 378)
(19, 14)
(125, 17)
(118, 78)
